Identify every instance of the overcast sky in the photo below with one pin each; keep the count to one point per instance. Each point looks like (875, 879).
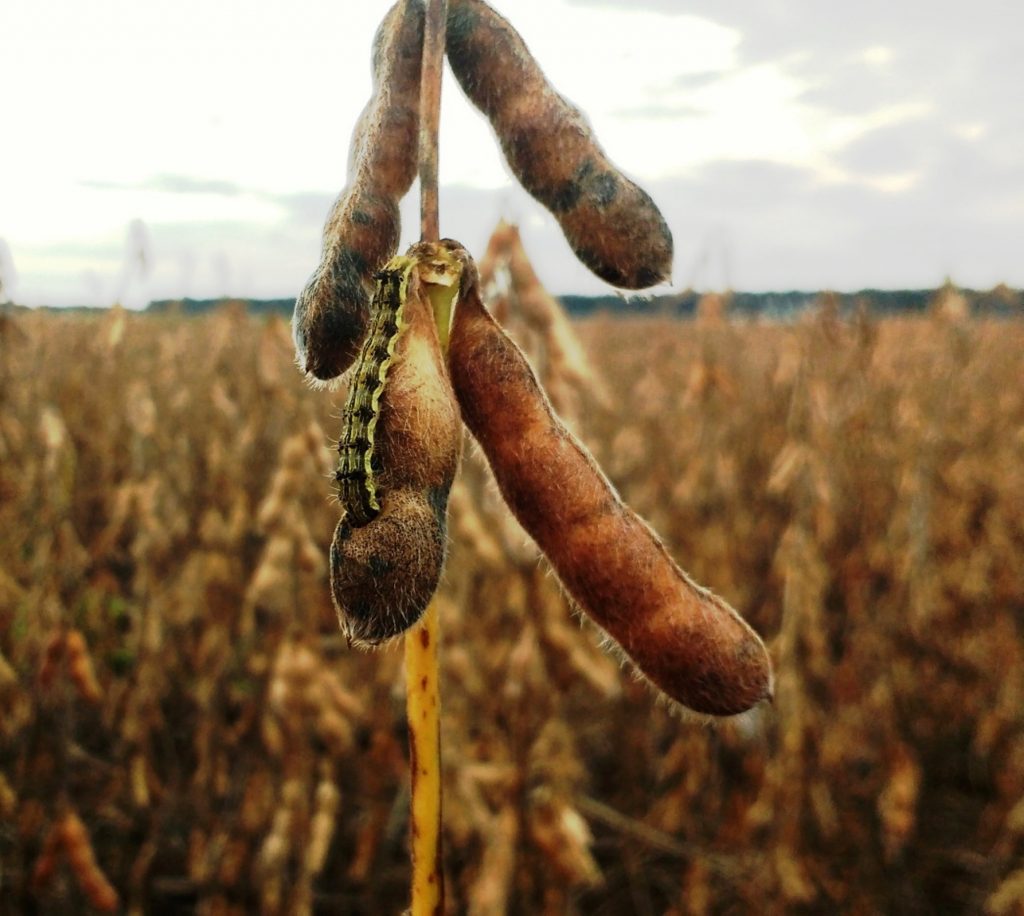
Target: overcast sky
(790, 144)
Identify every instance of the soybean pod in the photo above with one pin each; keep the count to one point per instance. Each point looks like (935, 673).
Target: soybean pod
(686, 640)
(612, 225)
(362, 230)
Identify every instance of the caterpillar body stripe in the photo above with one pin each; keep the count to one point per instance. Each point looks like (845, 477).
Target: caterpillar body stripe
(358, 464)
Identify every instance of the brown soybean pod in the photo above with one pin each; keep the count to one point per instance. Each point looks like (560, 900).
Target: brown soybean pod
(362, 230)
(612, 225)
(685, 639)
(384, 573)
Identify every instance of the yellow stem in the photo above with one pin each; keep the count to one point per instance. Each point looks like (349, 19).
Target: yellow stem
(423, 708)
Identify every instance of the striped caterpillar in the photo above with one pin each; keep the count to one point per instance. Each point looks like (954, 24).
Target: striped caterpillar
(399, 451)
(359, 464)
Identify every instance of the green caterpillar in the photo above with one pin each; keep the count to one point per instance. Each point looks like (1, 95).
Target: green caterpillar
(358, 464)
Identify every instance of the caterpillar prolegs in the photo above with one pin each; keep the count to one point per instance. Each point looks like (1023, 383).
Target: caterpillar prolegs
(398, 452)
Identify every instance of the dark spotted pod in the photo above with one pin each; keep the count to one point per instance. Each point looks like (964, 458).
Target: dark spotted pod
(612, 225)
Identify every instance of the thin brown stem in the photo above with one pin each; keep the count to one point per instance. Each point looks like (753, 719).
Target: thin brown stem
(430, 117)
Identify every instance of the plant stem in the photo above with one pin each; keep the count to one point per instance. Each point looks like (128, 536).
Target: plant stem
(430, 117)
(423, 701)
(423, 708)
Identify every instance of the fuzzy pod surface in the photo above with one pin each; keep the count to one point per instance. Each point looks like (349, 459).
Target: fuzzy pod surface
(612, 225)
(687, 641)
(362, 231)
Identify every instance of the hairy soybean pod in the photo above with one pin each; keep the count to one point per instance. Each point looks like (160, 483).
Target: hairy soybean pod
(384, 574)
(612, 225)
(362, 231)
(686, 640)
(399, 451)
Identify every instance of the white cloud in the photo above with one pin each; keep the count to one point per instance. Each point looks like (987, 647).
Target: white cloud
(225, 126)
(877, 55)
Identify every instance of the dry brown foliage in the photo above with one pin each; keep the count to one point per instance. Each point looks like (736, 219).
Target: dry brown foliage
(183, 729)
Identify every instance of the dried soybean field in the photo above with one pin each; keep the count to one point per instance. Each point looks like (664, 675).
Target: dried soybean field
(183, 728)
